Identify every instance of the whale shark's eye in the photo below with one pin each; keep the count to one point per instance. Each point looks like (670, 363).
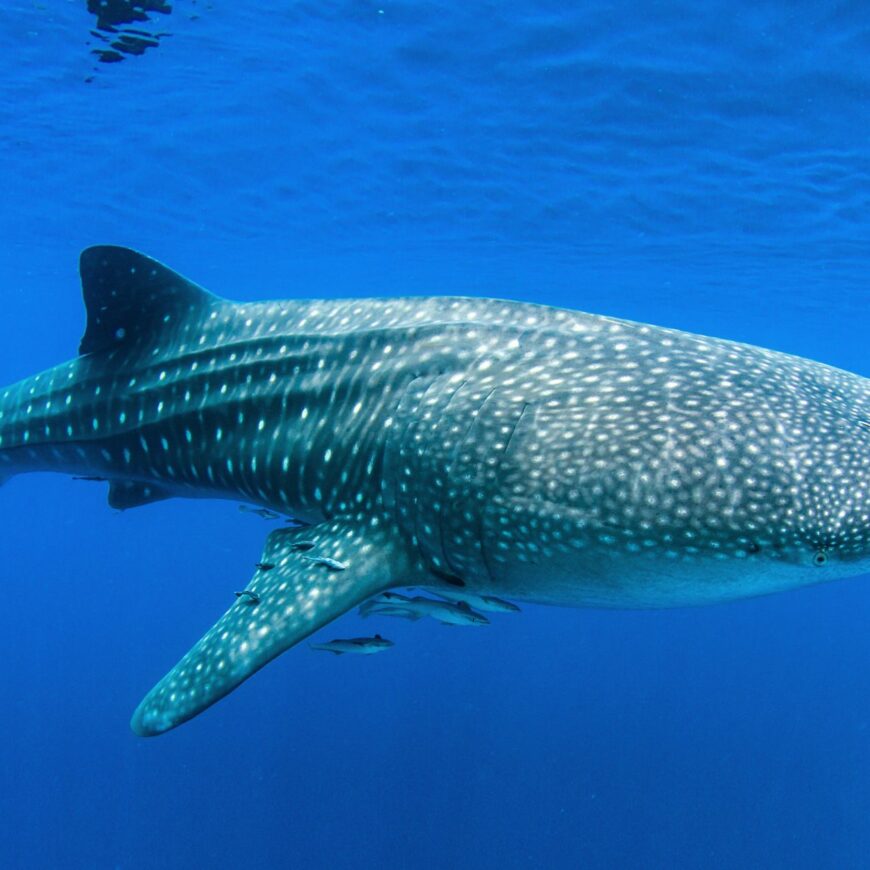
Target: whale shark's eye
(820, 558)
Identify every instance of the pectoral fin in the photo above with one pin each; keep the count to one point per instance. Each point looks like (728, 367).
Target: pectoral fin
(287, 604)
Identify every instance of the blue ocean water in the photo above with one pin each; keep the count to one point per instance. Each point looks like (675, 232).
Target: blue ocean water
(698, 165)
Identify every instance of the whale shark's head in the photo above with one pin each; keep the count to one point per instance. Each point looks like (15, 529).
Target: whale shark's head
(825, 442)
(686, 470)
(784, 493)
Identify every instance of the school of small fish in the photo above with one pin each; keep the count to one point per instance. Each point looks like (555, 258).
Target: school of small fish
(452, 607)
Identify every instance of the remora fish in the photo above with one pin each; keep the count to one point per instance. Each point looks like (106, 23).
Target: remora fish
(530, 452)
(363, 646)
(390, 603)
(486, 603)
(265, 513)
(445, 612)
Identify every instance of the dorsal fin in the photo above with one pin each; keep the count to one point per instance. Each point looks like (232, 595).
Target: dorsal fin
(129, 296)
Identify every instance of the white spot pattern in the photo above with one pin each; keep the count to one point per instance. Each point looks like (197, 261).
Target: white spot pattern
(544, 453)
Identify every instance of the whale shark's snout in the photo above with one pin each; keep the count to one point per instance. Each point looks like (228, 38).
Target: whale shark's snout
(833, 505)
(826, 445)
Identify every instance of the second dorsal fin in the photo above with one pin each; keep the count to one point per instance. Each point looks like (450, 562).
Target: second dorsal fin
(129, 297)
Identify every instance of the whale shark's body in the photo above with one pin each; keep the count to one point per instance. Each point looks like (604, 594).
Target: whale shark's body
(503, 447)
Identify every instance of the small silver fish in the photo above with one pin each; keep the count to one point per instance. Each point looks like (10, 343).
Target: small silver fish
(389, 598)
(294, 523)
(363, 646)
(332, 564)
(445, 612)
(248, 597)
(486, 603)
(265, 513)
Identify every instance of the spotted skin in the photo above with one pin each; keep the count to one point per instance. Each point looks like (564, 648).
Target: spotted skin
(282, 607)
(500, 447)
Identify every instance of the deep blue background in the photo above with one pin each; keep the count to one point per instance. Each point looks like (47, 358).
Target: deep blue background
(703, 166)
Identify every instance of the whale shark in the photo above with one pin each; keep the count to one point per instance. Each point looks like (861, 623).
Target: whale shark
(504, 448)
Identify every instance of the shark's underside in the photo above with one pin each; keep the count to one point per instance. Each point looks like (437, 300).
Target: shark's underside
(500, 447)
